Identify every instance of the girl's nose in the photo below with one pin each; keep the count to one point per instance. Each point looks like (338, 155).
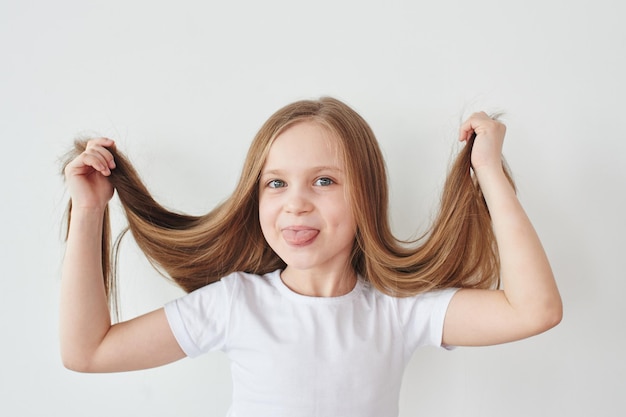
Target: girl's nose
(298, 202)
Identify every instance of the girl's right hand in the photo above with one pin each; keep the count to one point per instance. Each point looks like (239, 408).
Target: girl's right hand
(86, 175)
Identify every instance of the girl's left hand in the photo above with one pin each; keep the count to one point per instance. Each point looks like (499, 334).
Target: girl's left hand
(487, 150)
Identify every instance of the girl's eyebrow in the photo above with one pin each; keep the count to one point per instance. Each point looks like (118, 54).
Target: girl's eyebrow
(314, 170)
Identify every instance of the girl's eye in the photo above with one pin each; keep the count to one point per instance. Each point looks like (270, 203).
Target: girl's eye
(276, 184)
(324, 182)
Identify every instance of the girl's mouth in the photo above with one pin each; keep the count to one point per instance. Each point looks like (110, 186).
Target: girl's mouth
(299, 236)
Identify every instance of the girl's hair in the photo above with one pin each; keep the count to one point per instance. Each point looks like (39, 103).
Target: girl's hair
(459, 250)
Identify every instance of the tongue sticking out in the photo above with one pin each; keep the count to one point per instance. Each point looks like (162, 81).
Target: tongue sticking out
(298, 237)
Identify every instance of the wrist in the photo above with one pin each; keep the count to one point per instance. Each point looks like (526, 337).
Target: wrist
(87, 211)
(488, 171)
(492, 178)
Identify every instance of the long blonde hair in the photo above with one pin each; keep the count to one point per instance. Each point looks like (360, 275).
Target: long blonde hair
(459, 250)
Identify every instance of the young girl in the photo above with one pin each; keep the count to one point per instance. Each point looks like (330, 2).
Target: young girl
(315, 302)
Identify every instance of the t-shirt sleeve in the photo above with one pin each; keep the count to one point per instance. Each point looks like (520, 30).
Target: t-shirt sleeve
(199, 320)
(422, 318)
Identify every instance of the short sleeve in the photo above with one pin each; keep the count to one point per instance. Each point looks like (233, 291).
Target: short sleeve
(422, 318)
(199, 320)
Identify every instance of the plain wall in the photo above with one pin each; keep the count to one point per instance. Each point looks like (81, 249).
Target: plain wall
(183, 86)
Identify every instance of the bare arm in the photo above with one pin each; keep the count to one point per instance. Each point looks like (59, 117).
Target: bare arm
(89, 343)
(530, 302)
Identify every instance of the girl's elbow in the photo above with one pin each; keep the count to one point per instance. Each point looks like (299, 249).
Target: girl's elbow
(77, 363)
(550, 316)
(556, 314)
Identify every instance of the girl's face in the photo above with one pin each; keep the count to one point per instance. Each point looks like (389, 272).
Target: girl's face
(304, 210)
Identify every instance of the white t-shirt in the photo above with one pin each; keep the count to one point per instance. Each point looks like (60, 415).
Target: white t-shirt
(294, 355)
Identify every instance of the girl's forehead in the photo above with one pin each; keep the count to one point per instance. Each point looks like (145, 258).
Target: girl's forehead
(307, 128)
(306, 139)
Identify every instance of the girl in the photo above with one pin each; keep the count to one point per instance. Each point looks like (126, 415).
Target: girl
(316, 303)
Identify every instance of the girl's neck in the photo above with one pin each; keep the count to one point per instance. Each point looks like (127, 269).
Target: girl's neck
(319, 284)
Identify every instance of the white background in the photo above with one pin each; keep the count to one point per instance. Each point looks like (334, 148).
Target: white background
(183, 86)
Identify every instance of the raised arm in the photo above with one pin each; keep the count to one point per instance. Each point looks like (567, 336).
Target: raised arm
(89, 343)
(529, 302)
